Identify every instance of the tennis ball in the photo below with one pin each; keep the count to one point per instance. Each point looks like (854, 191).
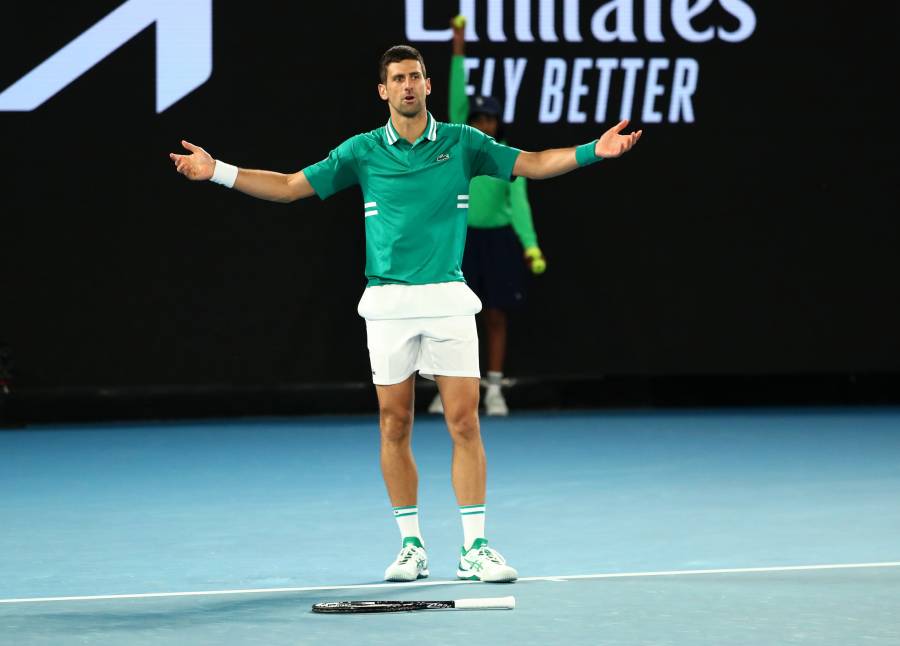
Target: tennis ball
(459, 21)
(535, 260)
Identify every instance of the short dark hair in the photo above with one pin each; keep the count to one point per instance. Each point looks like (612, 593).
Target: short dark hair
(396, 54)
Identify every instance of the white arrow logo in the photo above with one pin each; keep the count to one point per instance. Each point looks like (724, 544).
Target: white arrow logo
(183, 52)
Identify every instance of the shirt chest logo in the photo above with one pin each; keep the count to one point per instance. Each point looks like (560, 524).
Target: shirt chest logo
(442, 157)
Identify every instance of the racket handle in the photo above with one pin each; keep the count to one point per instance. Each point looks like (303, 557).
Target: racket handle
(493, 603)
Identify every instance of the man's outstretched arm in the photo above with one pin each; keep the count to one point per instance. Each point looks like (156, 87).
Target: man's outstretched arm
(264, 184)
(558, 161)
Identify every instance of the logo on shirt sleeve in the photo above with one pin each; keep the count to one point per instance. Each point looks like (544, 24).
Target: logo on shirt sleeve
(442, 157)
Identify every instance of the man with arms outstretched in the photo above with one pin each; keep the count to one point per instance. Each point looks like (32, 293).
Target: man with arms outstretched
(414, 174)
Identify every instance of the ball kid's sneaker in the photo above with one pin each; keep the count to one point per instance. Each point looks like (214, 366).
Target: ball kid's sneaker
(494, 402)
(436, 407)
(482, 563)
(411, 563)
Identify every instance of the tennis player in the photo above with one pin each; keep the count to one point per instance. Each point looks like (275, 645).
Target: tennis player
(414, 175)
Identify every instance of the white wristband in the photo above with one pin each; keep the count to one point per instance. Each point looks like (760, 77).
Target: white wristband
(224, 174)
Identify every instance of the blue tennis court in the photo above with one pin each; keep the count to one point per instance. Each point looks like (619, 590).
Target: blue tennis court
(620, 524)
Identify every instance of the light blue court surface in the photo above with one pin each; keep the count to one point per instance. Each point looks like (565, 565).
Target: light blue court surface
(299, 503)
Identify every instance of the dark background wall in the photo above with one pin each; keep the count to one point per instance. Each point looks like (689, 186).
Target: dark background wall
(758, 239)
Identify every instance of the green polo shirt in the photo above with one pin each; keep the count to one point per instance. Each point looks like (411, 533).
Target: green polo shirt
(415, 196)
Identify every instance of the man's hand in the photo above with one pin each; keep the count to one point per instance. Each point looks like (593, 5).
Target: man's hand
(612, 144)
(199, 165)
(535, 260)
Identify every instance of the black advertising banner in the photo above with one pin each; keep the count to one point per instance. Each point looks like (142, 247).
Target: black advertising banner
(752, 231)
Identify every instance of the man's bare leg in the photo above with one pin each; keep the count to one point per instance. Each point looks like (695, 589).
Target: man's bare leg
(395, 404)
(469, 471)
(477, 562)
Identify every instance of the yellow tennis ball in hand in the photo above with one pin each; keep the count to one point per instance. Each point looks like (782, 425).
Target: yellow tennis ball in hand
(535, 259)
(459, 21)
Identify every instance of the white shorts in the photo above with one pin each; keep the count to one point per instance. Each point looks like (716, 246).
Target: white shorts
(444, 345)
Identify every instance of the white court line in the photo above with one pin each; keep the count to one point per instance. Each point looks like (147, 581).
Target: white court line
(419, 584)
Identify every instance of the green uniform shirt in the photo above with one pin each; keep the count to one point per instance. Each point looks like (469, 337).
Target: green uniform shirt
(415, 196)
(493, 203)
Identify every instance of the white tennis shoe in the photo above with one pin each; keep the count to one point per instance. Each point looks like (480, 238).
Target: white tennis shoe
(494, 402)
(411, 563)
(437, 406)
(482, 563)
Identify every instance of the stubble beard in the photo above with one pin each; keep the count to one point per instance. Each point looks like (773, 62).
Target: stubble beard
(409, 111)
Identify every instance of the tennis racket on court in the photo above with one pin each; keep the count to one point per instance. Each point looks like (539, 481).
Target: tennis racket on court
(338, 607)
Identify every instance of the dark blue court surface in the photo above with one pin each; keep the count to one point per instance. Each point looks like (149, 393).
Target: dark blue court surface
(237, 505)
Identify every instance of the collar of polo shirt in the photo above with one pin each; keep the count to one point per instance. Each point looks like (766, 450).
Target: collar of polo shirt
(391, 136)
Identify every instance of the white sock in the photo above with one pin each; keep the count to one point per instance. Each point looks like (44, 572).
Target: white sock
(408, 521)
(494, 378)
(472, 522)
